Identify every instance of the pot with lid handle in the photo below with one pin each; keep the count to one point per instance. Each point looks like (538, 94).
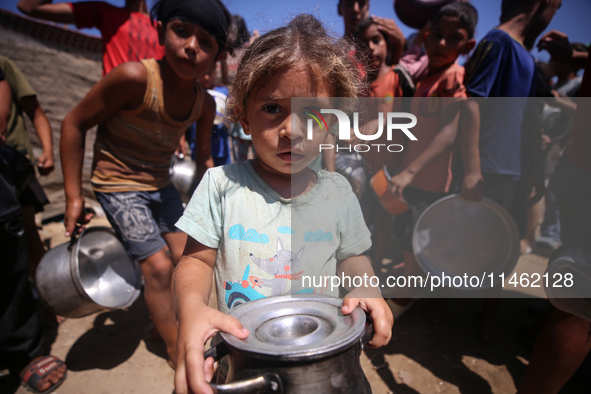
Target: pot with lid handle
(297, 344)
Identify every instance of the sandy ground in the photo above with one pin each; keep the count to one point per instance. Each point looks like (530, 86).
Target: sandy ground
(113, 352)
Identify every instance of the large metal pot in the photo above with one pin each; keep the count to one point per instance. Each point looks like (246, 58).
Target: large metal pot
(88, 274)
(296, 345)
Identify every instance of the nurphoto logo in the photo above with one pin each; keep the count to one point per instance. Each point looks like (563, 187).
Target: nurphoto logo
(393, 124)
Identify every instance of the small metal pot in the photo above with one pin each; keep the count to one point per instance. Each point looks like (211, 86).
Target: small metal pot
(567, 280)
(182, 176)
(296, 345)
(88, 274)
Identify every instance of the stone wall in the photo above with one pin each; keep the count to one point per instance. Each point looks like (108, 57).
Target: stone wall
(61, 65)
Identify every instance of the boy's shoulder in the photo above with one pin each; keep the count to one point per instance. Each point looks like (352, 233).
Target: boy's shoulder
(501, 39)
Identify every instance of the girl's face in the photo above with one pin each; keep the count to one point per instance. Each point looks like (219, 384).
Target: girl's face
(376, 46)
(190, 50)
(446, 40)
(281, 149)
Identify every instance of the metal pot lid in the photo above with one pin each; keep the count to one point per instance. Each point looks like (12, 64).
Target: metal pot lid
(458, 237)
(291, 327)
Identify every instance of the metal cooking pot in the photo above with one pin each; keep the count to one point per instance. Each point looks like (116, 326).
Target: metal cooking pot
(182, 176)
(88, 274)
(296, 345)
(567, 280)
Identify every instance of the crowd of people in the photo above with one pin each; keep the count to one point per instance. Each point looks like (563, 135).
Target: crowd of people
(166, 88)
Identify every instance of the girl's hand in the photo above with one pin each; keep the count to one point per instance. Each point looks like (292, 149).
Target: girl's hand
(380, 314)
(193, 373)
(75, 215)
(398, 182)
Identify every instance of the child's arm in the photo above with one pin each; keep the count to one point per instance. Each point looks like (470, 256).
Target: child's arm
(33, 110)
(469, 132)
(197, 322)
(5, 107)
(203, 128)
(442, 141)
(45, 9)
(123, 87)
(368, 298)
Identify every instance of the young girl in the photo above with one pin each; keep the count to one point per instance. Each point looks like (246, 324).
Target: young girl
(271, 219)
(142, 109)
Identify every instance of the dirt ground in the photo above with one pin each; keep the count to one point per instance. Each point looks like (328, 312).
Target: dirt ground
(113, 352)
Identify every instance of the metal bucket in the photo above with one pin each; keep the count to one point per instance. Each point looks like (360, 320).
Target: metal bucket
(88, 274)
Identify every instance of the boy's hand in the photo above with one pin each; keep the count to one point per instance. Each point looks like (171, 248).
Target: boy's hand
(193, 373)
(380, 314)
(472, 187)
(398, 182)
(557, 45)
(45, 163)
(75, 214)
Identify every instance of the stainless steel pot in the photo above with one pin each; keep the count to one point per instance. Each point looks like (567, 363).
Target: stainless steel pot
(182, 176)
(567, 280)
(296, 345)
(88, 274)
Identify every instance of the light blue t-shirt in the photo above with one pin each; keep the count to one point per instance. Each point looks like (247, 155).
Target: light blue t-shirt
(267, 245)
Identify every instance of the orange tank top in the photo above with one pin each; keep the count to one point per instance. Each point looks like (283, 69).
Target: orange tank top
(134, 148)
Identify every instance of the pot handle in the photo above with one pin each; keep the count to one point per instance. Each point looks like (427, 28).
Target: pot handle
(266, 383)
(217, 352)
(367, 332)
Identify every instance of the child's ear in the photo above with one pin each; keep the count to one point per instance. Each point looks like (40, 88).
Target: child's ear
(469, 45)
(161, 30)
(425, 35)
(244, 123)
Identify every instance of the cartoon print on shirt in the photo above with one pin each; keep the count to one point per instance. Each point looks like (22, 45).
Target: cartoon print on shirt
(283, 266)
(238, 293)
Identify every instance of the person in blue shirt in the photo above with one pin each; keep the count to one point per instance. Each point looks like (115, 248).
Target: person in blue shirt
(502, 66)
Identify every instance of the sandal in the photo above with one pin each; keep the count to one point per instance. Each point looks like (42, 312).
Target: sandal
(39, 369)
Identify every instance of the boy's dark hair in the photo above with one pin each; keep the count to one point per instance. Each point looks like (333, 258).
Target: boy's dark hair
(512, 8)
(464, 11)
(215, 19)
(243, 33)
(364, 25)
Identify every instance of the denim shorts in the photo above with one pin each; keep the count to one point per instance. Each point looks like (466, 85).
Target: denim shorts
(139, 218)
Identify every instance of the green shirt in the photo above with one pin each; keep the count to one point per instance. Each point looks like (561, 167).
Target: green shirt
(16, 135)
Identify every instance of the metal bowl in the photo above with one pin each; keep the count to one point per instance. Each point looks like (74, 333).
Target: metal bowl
(455, 237)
